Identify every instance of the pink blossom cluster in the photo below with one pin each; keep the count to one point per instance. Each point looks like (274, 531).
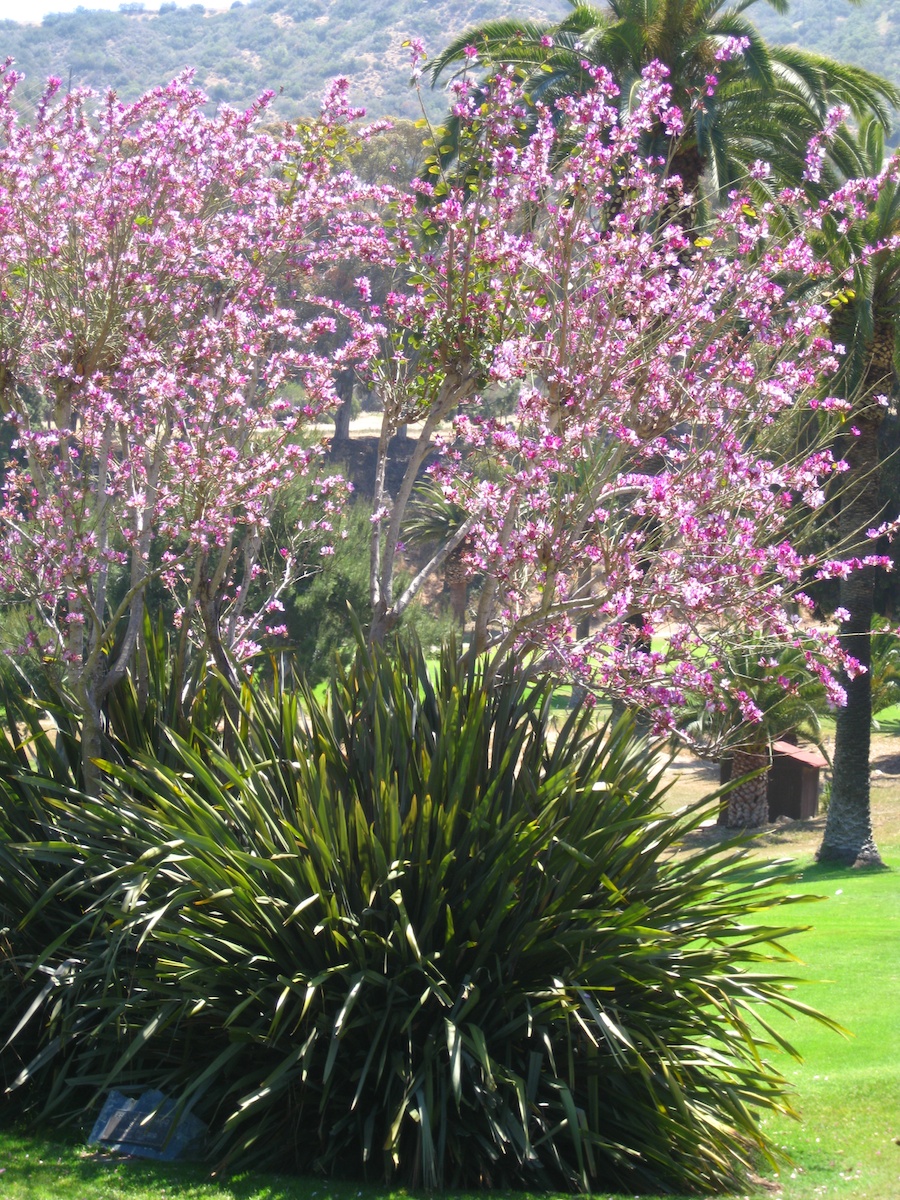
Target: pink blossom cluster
(166, 274)
(634, 517)
(159, 275)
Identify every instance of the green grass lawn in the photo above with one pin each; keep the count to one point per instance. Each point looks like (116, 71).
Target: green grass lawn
(888, 719)
(848, 1144)
(848, 1091)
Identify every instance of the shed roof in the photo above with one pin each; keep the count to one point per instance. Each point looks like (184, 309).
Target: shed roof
(808, 758)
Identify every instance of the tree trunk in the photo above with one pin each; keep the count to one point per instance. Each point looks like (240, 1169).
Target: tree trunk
(343, 385)
(457, 582)
(384, 620)
(209, 612)
(86, 693)
(748, 802)
(848, 836)
(688, 164)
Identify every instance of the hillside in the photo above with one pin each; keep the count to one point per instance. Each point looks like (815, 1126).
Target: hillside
(293, 46)
(867, 34)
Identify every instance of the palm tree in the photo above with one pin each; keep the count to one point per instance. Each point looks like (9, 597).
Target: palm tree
(768, 102)
(884, 667)
(789, 699)
(433, 519)
(865, 321)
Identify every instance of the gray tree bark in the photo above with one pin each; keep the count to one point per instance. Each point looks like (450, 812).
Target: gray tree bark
(344, 411)
(848, 836)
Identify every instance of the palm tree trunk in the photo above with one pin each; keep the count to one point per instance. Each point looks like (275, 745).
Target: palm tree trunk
(848, 836)
(748, 802)
(688, 164)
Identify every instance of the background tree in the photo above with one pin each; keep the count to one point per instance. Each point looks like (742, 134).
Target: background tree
(140, 321)
(768, 694)
(636, 480)
(764, 103)
(860, 241)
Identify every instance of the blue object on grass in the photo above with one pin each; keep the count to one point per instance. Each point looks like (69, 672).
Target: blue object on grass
(147, 1126)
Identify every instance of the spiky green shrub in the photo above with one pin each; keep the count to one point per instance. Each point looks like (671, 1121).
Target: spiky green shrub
(46, 931)
(409, 932)
(39, 750)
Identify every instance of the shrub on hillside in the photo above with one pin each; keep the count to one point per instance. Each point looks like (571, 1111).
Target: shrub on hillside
(409, 932)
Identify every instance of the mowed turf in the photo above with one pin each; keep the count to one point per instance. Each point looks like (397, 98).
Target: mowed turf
(848, 1090)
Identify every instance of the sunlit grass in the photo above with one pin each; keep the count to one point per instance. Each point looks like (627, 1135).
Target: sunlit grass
(849, 1090)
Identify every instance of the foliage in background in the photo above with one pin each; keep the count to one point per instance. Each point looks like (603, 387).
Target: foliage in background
(885, 666)
(405, 932)
(862, 33)
(764, 103)
(767, 691)
(316, 609)
(299, 44)
(294, 47)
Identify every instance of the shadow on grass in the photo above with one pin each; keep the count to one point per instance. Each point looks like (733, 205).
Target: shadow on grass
(106, 1177)
(828, 871)
(60, 1168)
(792, 875)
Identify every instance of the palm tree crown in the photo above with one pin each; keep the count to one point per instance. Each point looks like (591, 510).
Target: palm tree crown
(768, 101)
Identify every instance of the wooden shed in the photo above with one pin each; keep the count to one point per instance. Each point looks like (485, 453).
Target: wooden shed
(794, 782)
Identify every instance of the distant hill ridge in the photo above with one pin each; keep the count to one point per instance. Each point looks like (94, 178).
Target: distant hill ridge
(294, 46)
(291, 46)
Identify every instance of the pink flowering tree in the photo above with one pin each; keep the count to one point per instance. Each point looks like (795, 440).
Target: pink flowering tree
(166, 273)
(642, 487)
(159, 278)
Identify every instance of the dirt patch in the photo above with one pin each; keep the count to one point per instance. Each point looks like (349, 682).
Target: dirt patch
(885, 765)
(692, 779)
